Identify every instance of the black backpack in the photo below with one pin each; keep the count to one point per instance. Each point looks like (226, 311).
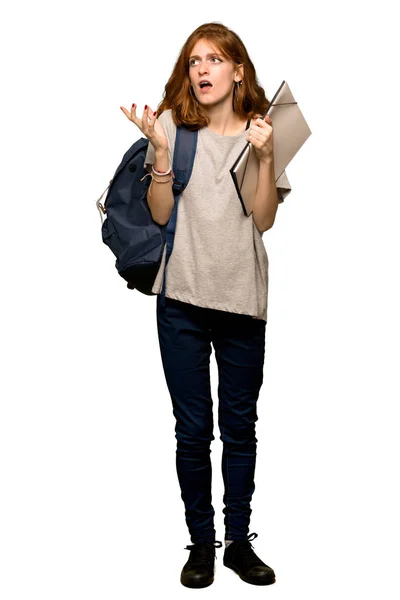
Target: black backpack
(129, 230)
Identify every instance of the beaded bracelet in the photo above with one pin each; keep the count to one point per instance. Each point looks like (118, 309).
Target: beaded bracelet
(170, 173)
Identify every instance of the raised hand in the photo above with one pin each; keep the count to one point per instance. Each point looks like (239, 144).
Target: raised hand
(149, 126)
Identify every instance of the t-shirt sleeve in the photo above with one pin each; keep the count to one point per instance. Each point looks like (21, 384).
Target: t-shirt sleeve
(165, 119)
(283, 187)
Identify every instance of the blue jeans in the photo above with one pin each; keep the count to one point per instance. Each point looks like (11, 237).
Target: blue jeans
(185, 334)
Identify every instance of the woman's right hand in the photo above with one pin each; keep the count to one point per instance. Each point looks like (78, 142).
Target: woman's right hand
(149, 125)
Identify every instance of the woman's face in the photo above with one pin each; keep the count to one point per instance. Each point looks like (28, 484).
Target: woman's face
(205, 62)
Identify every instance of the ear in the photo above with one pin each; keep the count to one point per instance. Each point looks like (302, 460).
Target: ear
(239, 72)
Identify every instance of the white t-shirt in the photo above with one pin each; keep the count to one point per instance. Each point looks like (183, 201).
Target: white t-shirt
(218, 258)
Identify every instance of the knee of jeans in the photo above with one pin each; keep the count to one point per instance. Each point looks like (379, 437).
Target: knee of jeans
(195, 441)
(239, 436)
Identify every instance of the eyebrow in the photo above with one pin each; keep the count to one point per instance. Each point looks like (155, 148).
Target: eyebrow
(209, 54)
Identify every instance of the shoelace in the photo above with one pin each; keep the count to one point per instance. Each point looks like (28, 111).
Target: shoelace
(202, 552)
(245, 549)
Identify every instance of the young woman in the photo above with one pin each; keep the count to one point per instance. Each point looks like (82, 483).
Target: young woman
(216, 286)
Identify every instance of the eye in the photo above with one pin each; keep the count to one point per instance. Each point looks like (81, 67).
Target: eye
(192, 60)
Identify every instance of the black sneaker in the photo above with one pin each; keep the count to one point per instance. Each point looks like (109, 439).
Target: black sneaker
(198, 572)
(240, 557)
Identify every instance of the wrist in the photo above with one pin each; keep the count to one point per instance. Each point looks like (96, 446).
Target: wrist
(267, 161)
(160, 152)
(161, 161)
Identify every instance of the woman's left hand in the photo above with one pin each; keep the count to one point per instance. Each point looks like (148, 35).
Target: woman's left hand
(260, 137)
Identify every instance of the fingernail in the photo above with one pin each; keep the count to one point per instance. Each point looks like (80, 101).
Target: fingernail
(133, 105)
(154, 114)
(145, 107)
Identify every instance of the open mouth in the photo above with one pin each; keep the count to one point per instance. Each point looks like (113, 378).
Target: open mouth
(205, 86)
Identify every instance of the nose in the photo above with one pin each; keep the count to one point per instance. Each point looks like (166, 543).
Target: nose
(201, 69)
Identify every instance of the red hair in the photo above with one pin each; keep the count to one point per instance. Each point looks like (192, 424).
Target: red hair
(248, 100)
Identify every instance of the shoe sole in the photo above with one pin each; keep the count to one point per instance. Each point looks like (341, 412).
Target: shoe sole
(247, 580)
(198, 584)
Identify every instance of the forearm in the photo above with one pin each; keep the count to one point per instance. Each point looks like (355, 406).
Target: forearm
(160, 197)
(266, 200)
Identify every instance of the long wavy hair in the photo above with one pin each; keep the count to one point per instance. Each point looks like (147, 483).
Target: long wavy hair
(248, 99)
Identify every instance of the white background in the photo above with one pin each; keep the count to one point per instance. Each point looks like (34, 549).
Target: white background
(90, 502)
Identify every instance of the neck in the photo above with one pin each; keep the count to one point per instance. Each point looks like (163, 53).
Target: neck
(223, 121)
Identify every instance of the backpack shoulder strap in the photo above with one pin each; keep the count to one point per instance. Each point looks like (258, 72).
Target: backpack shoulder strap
(184, 154)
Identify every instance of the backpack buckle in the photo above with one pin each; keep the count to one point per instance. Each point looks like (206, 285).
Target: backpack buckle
(178, 188)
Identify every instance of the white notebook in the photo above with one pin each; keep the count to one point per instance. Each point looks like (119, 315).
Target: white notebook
(290, 131)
